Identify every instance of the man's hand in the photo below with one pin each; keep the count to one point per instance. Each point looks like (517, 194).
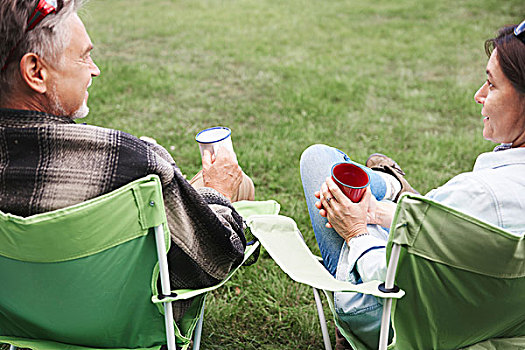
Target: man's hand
(221, 171)
(148, 139)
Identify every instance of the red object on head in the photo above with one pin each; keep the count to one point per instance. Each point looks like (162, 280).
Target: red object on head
(41, 10)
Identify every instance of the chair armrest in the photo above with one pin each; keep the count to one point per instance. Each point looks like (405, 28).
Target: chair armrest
(182, 294)
(280, 236)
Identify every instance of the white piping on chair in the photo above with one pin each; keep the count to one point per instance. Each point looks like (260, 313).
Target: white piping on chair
(322, 320)
(198, 329)
(387, 306)
(165, 285)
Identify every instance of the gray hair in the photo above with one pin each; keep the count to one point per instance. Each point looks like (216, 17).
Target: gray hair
(47, 40)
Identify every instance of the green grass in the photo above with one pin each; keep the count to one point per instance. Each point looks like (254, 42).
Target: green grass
(395, 77)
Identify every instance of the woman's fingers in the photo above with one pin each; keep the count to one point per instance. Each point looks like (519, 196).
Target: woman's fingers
(346, 218)
(335, 191)
(326, 195)
(327, 201)
(331, 201)
(367, 196)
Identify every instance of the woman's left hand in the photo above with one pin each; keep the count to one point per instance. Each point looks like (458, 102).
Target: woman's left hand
(348, 219)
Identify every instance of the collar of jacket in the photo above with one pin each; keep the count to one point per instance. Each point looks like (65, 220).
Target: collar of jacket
(27, 118)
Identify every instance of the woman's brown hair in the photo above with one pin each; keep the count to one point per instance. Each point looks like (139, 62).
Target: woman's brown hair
(510, 55)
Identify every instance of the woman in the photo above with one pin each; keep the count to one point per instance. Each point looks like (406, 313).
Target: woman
(352, 236)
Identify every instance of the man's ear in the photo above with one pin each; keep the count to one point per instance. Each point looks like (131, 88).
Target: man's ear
(34, 72)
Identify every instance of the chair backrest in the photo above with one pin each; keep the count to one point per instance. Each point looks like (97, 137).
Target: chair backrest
(464, 278)
(84, 275)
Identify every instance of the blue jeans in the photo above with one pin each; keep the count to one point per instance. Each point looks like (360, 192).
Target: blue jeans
(362, 313)
(316, 164)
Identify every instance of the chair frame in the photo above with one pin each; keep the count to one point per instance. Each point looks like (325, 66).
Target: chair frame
(165, 285)
(166, 290)
(322, 320)
(387, 307)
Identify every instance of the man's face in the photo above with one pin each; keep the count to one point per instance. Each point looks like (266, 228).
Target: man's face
(71, 78)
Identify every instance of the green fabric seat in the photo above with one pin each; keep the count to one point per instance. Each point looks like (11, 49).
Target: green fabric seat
(462, 279)
(86, 276)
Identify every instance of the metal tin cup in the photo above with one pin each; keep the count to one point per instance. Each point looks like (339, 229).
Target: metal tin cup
(212, 139)
(351, 179)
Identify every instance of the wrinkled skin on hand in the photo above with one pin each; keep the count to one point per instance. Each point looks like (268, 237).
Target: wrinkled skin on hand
(221, 171)
(348, 219)
(381, 213)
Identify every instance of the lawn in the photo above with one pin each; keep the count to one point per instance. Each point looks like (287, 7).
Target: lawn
(395, 77)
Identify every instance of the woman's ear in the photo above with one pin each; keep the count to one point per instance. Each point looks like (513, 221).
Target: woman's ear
(34, 72)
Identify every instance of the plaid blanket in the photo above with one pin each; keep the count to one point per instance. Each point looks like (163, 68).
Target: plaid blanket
(49, 162)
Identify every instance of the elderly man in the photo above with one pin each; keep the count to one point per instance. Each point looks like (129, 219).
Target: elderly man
(47, 161)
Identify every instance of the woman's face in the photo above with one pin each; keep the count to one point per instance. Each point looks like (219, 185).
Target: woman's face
(503, 107)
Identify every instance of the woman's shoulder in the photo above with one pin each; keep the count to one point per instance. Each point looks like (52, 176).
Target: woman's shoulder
(490, 194)
(461, 190)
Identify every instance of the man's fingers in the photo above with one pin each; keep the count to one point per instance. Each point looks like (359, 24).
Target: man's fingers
(225, 153)
(206, 159)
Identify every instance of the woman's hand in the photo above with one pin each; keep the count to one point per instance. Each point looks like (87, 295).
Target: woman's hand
(381, 213)
(348, 219)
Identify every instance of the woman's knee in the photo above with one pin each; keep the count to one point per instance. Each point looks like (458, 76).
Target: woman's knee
(314, 153)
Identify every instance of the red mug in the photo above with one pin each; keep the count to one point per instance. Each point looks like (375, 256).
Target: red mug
(351, 179)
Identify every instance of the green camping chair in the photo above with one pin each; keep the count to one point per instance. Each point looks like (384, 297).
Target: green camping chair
(462, 278)
(86, 276)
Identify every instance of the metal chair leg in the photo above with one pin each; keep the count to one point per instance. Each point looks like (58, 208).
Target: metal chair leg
(387, 306)
(198, 329)
(165, 285)
(322, 320)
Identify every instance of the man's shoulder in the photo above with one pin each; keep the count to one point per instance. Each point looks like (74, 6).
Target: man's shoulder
(97, 134)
